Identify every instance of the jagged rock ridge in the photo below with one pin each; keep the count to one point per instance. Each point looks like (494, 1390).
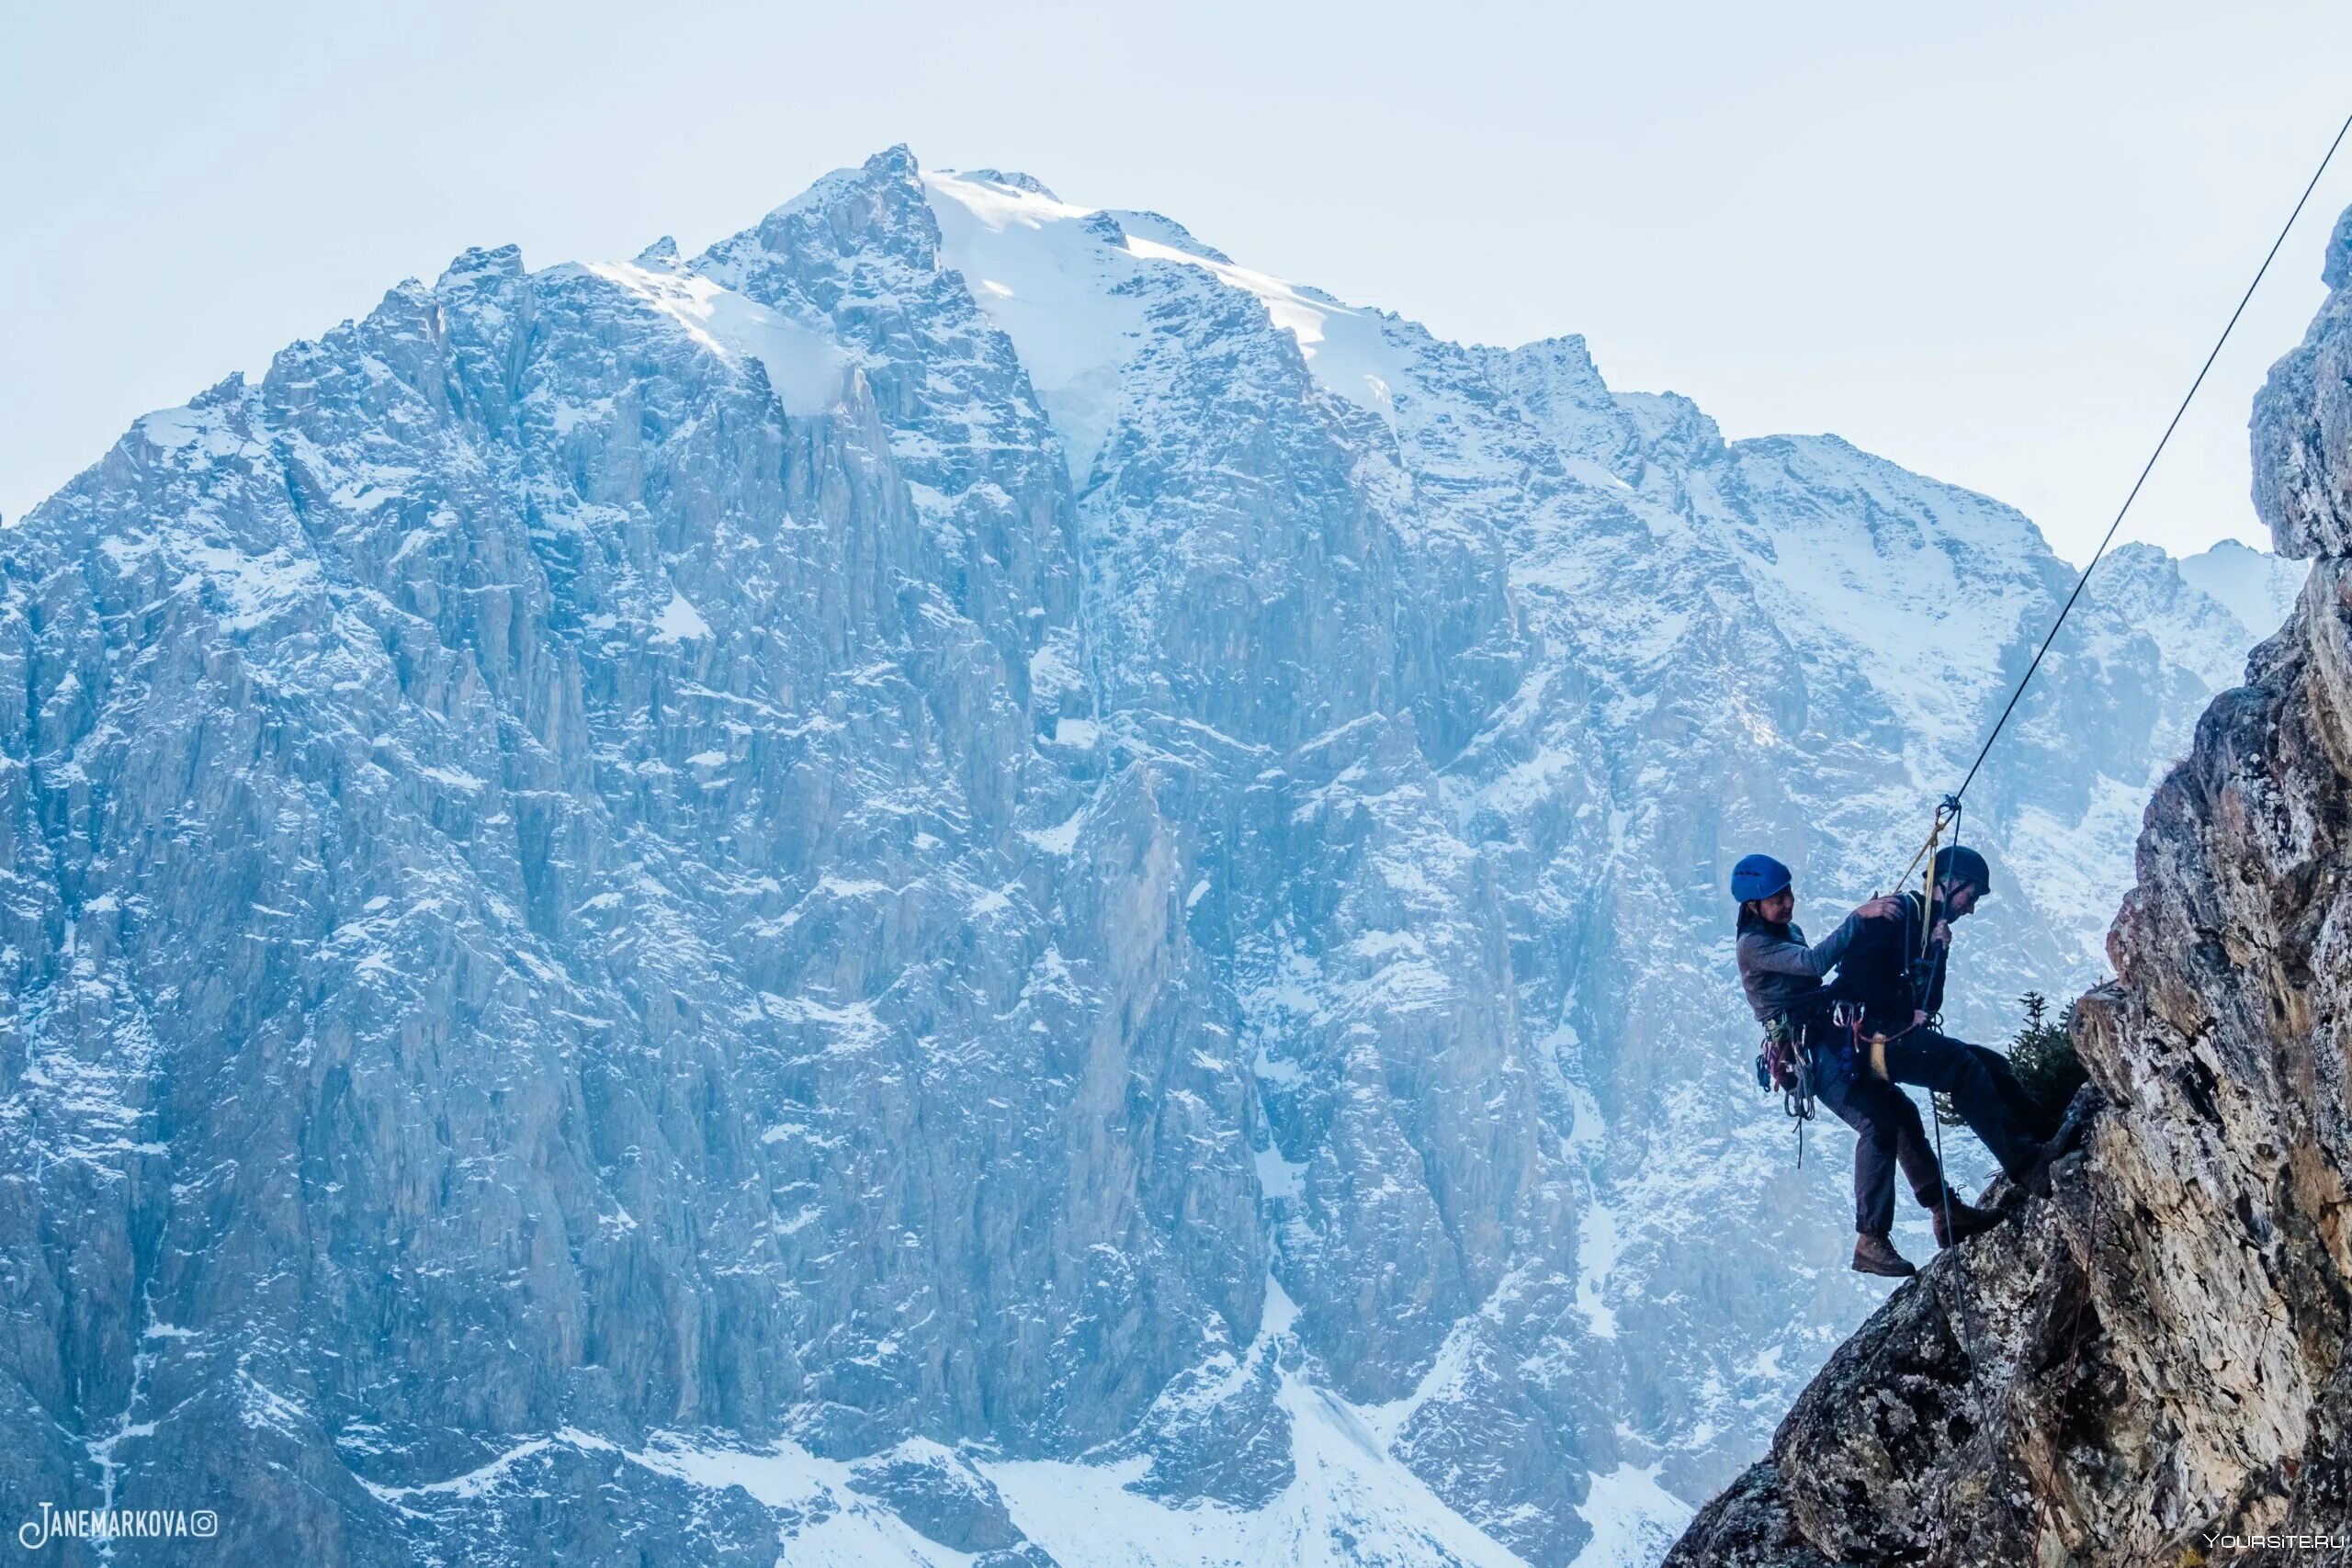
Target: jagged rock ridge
(2149, 1367)
(960, 879)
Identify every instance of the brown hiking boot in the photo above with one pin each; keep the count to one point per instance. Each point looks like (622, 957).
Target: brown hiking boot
(1876, 1254)
(1967, 1219)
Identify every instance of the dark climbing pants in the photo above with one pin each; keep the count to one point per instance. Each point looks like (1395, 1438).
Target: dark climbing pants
(1983, 1088)
(1887, 1132)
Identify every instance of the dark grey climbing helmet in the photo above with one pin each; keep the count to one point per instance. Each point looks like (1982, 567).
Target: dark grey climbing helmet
(1957, 862)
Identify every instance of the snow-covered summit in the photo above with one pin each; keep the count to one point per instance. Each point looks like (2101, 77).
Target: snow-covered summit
(1029, 185)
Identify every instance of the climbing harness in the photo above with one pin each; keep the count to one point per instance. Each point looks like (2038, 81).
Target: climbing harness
(1786, 1064)
(1870, 1055)
(1868, 1051)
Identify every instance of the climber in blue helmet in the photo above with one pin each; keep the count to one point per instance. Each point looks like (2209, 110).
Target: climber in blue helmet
(1782, 977)
(1894, 973)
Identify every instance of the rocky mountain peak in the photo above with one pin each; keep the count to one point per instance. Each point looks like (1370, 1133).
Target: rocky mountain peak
(1015, 180)
(960, 880)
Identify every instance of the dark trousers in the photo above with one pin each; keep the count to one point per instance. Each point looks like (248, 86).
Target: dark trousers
(1983, 1088)
(1887, 1132)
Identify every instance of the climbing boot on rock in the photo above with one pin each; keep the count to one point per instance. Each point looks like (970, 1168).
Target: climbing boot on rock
(1876, 1254)
(1967, 1219)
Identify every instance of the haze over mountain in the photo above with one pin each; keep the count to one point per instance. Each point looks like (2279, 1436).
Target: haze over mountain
(959, 881)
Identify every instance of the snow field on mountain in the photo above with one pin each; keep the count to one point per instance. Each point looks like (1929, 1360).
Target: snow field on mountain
(1052, 285)
(803, 365)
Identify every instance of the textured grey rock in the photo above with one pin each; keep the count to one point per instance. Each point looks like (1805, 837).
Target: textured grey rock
(2302, 437)
(941, 1497)
(630, 886)
(2151, 1363)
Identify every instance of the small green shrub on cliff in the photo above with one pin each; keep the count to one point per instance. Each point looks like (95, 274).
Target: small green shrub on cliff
(2041, 1054)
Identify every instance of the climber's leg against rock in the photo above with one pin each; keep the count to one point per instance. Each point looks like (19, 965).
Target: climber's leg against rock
(1860, 1102)
(2025, 1110)
(1911, 1145)
(1938, 1062)
(1953, 1217)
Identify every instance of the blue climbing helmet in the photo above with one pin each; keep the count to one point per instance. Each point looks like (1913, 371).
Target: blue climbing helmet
(1759, 876)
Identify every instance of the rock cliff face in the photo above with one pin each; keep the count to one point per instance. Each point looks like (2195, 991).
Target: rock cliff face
(959, 881)
(2149, 1366)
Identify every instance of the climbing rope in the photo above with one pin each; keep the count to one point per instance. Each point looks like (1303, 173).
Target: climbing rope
(1947, 816)
(1948, 810)
(1954, 798)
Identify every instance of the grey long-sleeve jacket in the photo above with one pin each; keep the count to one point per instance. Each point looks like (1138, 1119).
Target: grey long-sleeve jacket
(1779, 970)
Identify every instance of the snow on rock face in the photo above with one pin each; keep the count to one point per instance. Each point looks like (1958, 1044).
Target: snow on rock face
(1050, 278)
(801, 364)
(957, 856)
(1347, 348)
(1062, 283)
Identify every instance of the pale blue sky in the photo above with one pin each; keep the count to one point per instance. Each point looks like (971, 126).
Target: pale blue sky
(1990, 241)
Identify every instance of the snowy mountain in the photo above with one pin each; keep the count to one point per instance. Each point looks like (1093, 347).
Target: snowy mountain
(2256, 586)
(959, 883)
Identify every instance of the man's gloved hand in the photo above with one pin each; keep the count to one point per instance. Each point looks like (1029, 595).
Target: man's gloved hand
(1942, 935)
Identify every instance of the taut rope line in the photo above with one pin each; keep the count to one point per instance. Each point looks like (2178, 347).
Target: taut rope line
(2149, 467)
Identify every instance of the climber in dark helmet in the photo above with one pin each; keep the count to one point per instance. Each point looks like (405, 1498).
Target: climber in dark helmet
(1782, 977)
(1892, 973)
